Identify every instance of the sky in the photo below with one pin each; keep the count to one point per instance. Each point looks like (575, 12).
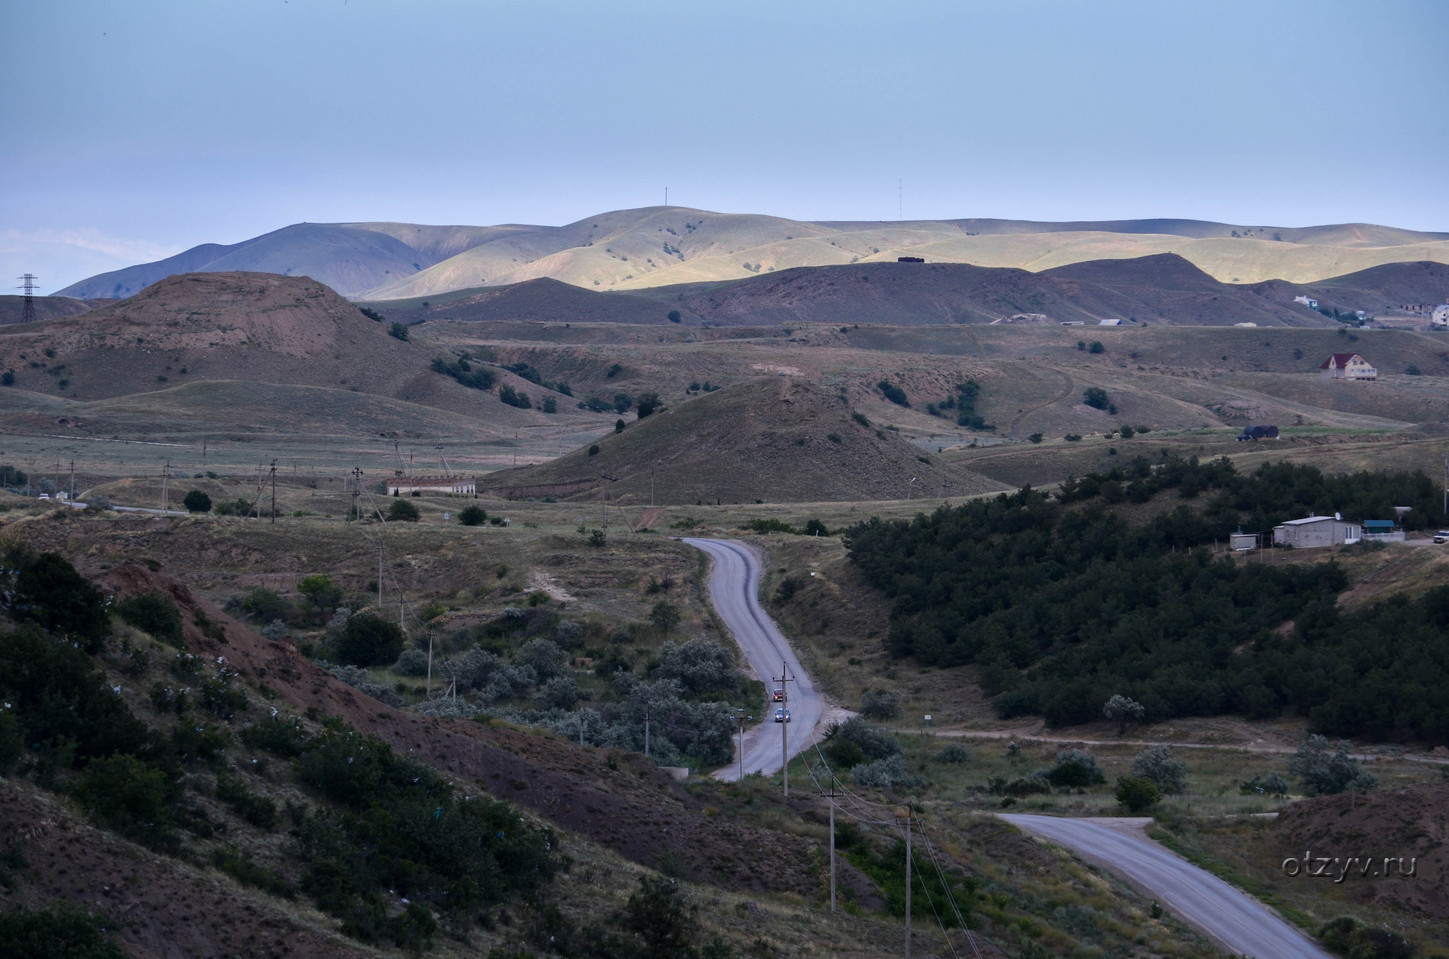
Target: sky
(131, 130)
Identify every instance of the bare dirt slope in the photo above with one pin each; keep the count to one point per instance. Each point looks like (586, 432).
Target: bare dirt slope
(1412, 823)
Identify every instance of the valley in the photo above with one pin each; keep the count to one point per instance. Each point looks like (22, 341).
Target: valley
(619, 438)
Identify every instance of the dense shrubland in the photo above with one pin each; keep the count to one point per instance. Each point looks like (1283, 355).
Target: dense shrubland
(1063, 607)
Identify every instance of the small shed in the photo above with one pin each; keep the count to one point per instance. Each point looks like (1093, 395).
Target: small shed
(1315, 531)
(1382, 531)
(1240, 541)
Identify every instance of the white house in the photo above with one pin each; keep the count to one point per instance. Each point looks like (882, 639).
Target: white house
(1440, 319)
(1315, 531)
(1347, 366)
(1109, 323)
(1307, 301)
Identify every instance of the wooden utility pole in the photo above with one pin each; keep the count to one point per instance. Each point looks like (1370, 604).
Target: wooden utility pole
(165, 491)
(831, 797)
(908, 882)
(785, 725)
(740, 717)
(646, 730)
(274, 492)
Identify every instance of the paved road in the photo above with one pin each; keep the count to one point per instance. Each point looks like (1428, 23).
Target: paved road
(1239, 922)
(734, 587)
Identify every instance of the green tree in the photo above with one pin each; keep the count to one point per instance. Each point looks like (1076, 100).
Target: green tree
(1121, 710)
(155, 613)
(665, 616)
(1324, 773)
(1135, 794)
(1096, 398)
(403, 511)
(63, 932)
(1156, 763)
(50, 592)
(367, 641)
(320, 589)
(472, 516)
(398, 332)
(647, 403)
(674, 316)
(197, 502)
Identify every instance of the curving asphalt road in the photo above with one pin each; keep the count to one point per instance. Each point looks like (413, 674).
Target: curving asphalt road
(734, 587)
(1242, 924)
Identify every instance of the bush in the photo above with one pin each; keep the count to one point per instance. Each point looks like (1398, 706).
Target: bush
(369, 641)
(1095, 397)
(1325, 774)
(472, 516)
(265, 605)
(1271, 785)
(63, 932)
(154, 613)
(883, 773)
(129, 796)
(47, 590)
(1157, 764)
(880, 704)
(1075, 769)
(197, 502)
(953, 753)
(411, 662)
(1135, 793)
(514, 398)
(893, 393)
(874, 742)
(398, 332)
(403, 511)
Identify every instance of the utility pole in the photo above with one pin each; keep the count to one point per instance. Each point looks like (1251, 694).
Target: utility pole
(165, 492)
(430, 655)
(740, 717)
(72, 481)
(831, 797)
(785, 725)
(908, 881)
(646, 730)
(274, 492)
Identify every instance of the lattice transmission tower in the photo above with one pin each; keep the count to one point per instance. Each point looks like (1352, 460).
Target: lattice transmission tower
(27, 283)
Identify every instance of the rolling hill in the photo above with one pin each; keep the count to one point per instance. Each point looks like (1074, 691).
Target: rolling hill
(666, 246)
(771, 439)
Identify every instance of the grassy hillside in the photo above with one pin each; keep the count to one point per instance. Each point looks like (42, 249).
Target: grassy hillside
(767, 440)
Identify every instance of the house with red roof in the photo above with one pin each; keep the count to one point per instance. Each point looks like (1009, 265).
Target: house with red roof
(1348, 366)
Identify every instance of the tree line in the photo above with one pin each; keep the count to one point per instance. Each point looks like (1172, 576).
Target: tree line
(1060, 608)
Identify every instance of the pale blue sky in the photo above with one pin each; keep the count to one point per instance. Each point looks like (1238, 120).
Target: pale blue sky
(133, 129)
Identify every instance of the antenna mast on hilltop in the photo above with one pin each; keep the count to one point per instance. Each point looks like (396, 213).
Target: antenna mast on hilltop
(27, 283)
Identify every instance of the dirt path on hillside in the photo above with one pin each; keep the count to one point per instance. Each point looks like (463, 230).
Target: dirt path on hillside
(1025, 735)
(1068, 390)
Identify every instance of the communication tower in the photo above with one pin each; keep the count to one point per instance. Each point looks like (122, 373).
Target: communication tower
(27, 283)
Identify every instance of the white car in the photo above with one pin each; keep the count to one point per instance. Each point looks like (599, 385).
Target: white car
(782, 715)
(1442, 536)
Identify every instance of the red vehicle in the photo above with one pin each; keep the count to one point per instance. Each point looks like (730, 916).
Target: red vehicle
(779, 695)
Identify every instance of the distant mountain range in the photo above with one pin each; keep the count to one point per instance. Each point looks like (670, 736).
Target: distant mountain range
(634, 250)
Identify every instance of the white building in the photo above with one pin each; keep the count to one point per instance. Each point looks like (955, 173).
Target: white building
(1440, 318)
(1307, 301)
(1314, 531)
(404, 485)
